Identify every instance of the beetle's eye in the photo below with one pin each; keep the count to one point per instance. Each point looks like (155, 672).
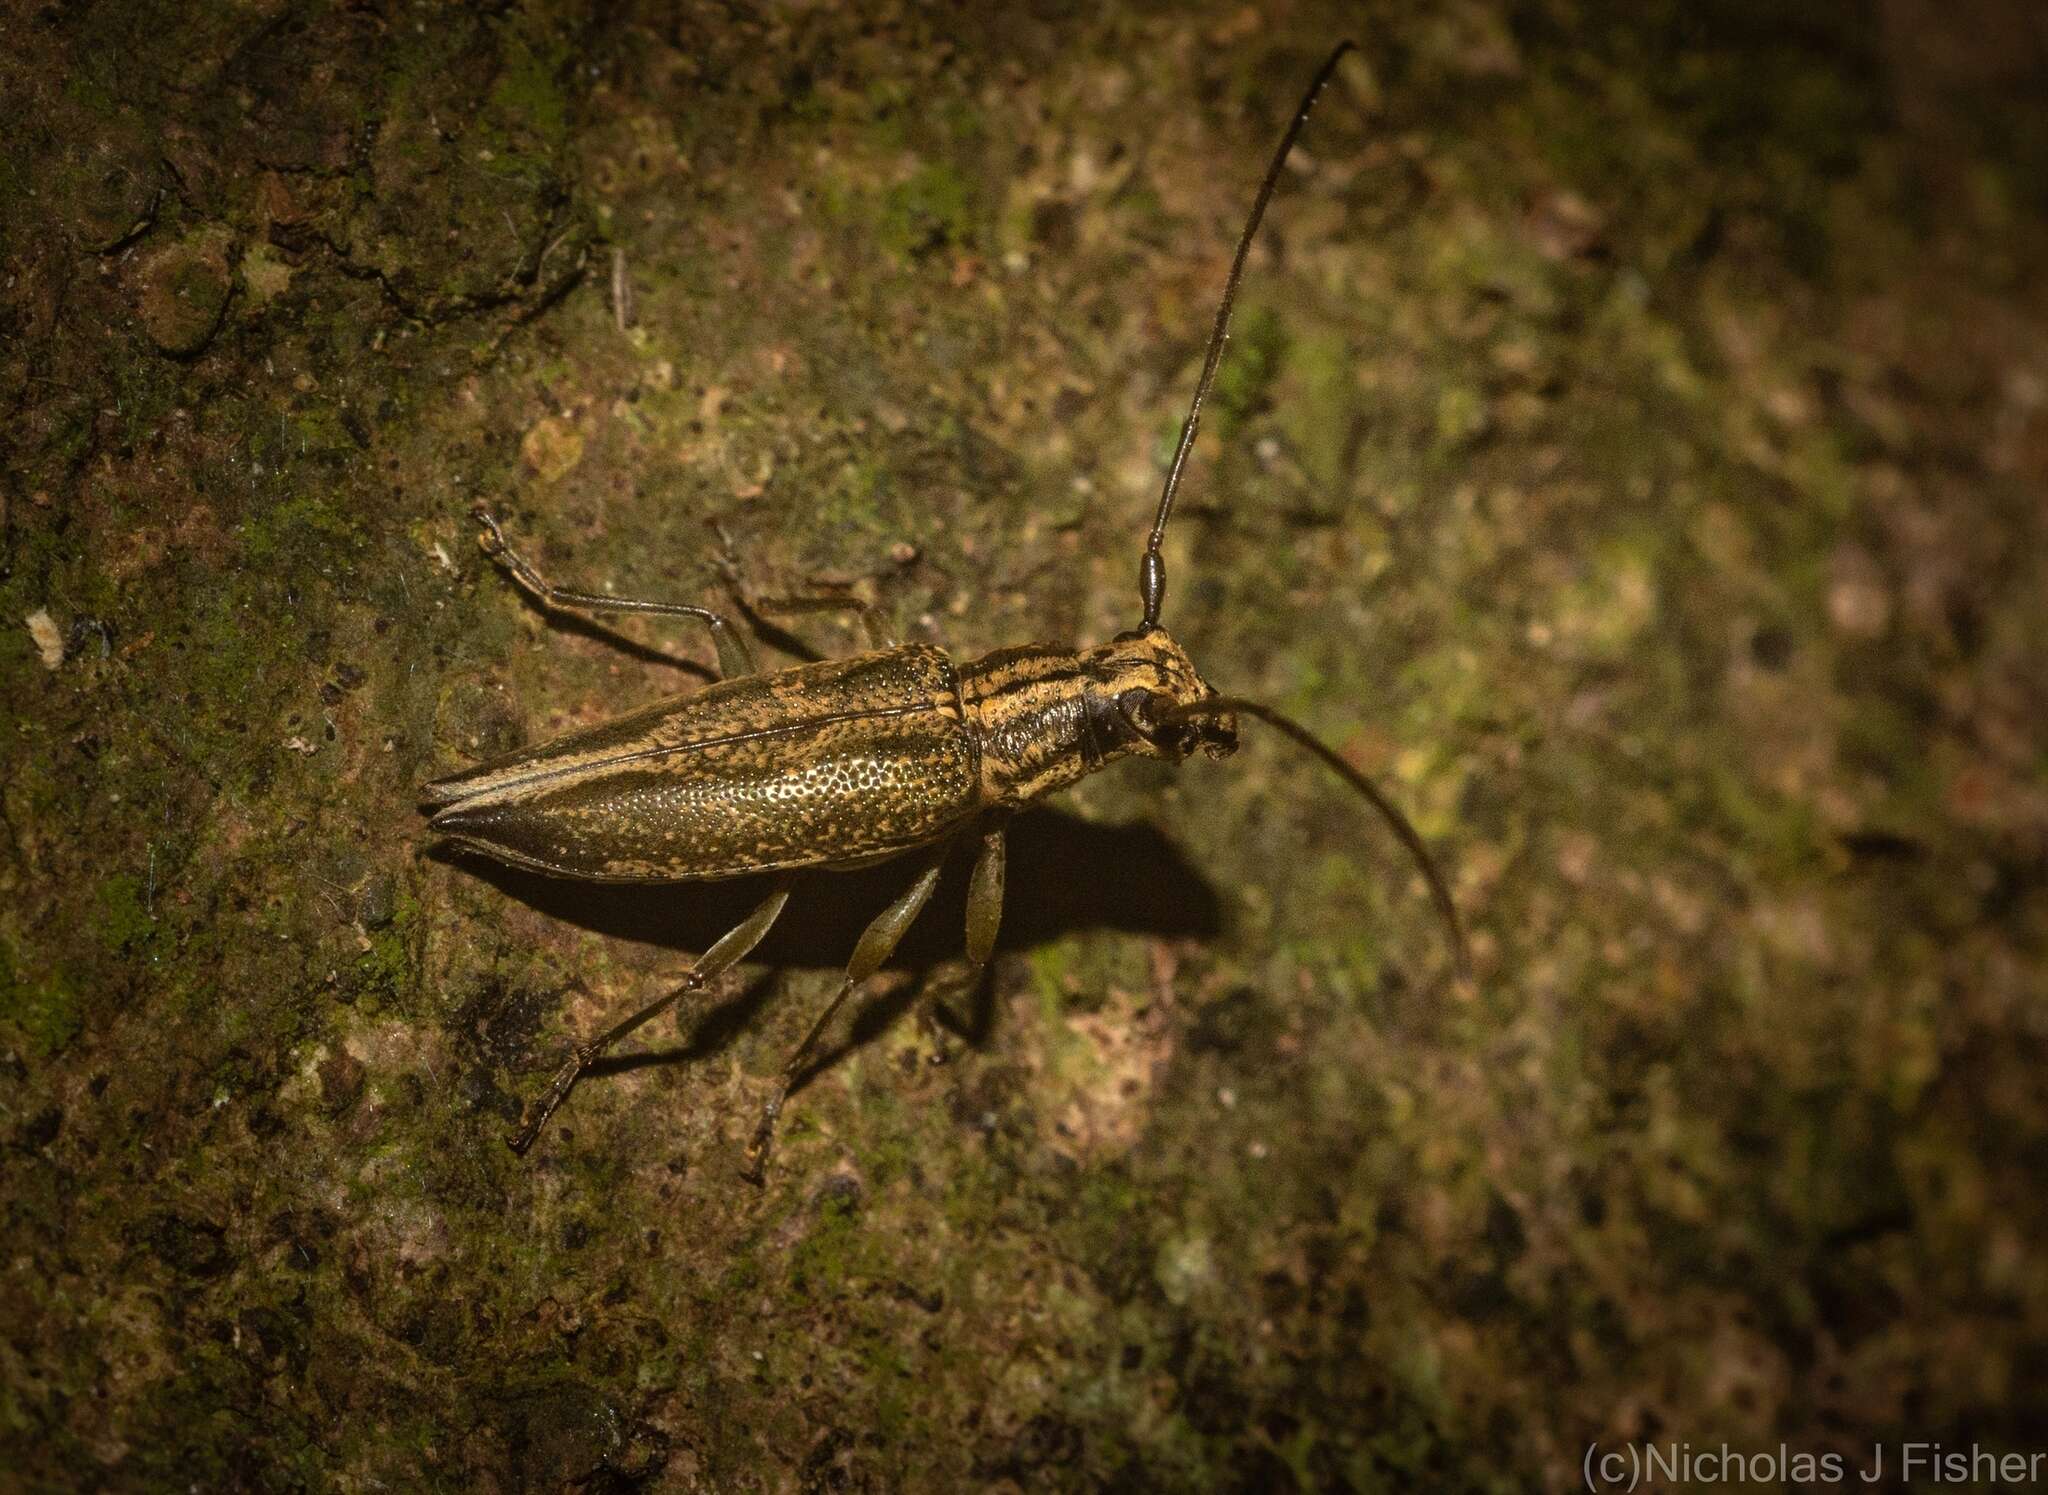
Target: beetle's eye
(1140, 711)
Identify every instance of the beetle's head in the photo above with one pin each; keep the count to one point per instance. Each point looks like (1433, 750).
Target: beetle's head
(1139, 680)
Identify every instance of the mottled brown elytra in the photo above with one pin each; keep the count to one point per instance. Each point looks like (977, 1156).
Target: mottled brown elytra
(897, 752)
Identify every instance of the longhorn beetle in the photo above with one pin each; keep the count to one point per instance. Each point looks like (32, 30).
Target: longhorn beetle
(898, 752)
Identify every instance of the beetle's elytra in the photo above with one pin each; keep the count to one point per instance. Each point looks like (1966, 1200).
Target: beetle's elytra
(897, 752)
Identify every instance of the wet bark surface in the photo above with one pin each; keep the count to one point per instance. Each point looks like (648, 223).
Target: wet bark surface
(1632, 452)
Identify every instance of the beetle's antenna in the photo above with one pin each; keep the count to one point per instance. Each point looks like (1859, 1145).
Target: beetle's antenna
(1152, 569)
(1439, 893)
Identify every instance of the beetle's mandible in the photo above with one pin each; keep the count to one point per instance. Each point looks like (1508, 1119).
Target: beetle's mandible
(897, 752)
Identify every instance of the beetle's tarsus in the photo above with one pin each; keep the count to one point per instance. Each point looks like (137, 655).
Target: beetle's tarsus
(529, 1130)
(492, 541)
(755, 1168)
(565, 1081)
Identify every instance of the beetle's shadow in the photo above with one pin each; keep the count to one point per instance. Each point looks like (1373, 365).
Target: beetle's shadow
(1063, 874)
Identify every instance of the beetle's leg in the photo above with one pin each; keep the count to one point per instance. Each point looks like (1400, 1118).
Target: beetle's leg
(984, 918)
(876, 945)
(735, 655)
(875, 626)
(874, 623)
(985, 900)
(733, 948)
